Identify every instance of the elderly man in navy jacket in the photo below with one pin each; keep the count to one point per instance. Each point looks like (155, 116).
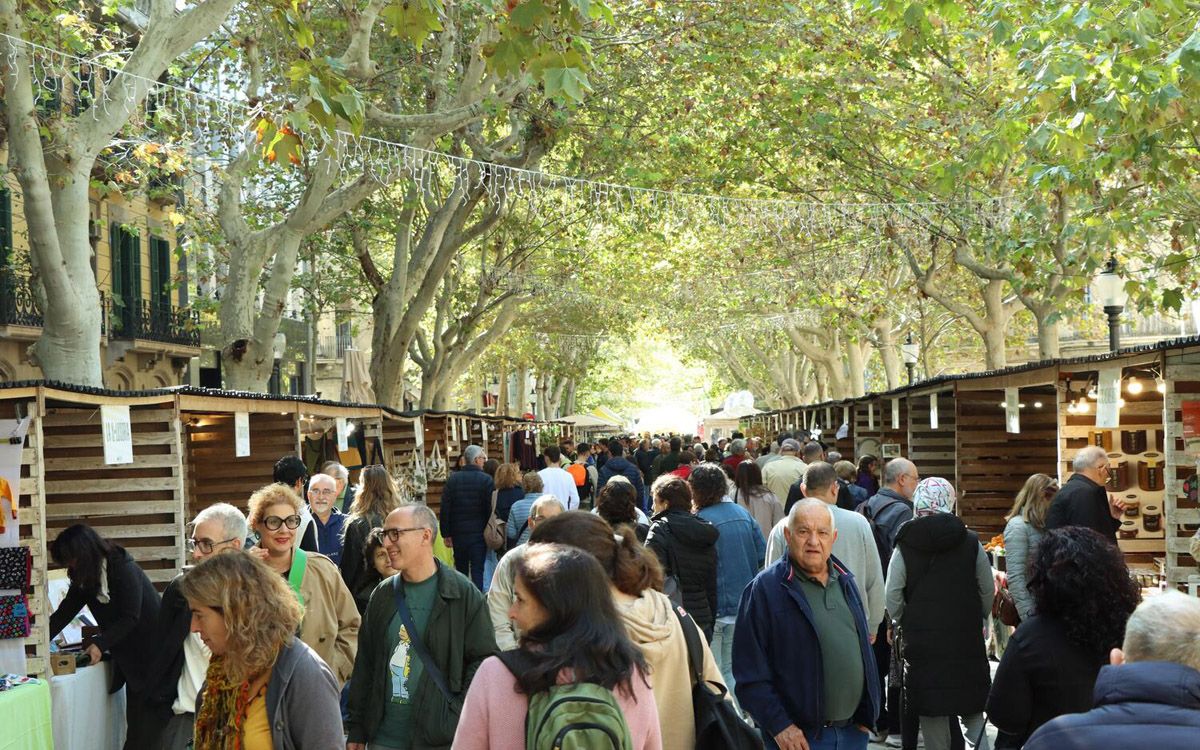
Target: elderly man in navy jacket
(801, 657)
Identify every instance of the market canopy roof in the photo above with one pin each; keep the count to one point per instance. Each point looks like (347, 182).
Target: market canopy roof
(587, 420)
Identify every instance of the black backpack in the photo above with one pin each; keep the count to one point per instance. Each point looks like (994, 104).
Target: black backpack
(718, 726)
(882, 543)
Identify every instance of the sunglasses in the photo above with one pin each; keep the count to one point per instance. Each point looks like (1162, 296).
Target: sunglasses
(274, 522)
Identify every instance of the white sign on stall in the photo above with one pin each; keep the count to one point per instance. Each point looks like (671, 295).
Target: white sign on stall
(870, 416)
(241, 433)
(1012, 411)
(483, 432)
(343, 434)
(419, 432)
(1108, 394)
(933, 411)
(846, 415)
(828, 416)
(118, 434)
(895, 414)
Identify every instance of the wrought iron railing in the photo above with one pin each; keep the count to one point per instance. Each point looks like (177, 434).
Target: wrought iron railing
(17, 304)
(334, 347)
(143, 320)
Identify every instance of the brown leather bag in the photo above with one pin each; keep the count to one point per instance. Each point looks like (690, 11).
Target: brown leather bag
(494, 534)
(1004, 608)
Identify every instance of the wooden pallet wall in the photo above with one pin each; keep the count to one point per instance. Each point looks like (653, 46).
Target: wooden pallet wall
(932, 450)
(1181, 516)
(215, 474)
(31, 533)
(437, 428)
(993, 464)
(140, 506)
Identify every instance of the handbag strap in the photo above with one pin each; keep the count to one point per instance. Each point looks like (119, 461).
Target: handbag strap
(418, 644)
(691, 635)
(296, 573)
(495, 493)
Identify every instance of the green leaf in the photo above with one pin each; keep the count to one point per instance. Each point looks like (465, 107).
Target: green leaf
(569, 84)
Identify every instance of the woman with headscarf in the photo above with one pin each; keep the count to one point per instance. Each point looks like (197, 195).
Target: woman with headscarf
(940, 590)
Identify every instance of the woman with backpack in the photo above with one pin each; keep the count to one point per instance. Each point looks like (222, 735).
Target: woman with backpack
(576, 679)
(654, 624)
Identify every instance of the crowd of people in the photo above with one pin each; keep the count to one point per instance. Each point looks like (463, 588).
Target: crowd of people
(596, 600)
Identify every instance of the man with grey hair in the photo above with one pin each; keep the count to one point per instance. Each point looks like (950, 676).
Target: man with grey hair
(426, 611)
(181, 658)
(781, 473)
(1150, 695)
(466, 505)
(801, 656)
(737, 454)
(1083, 499)
(502, 592)
(345, 490)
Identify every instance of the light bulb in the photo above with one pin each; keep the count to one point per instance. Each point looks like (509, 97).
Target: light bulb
(1134, 386)
(1082, 406)
(1120, 403)
(1092, 393)
(1162, 386)
(1003, 404)
(1071, 407)
(1037, 404)
(1020, 406)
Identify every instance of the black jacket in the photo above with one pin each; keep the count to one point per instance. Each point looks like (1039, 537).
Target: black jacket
(948, 673)
(621, 465)
(1042, 675)
(466, 502)
(686, 546)
(128, 620)
(174, 624)
(357, 571)
(1082, 502)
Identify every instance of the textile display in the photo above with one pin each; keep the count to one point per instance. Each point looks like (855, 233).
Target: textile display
(12, 443)
(14, 616)
(83, 714)
(25, 717)
(16, 566)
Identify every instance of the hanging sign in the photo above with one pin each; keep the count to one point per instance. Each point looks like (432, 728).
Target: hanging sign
(118, 434)
(870, 416)
(453, 429)
(845, 415)
(933, 411)
(1108, 394)
(895, 414)
(343, 434)
(1012, 411)
(483, 432)
(419, 432)
(241, 433)
(828, 416)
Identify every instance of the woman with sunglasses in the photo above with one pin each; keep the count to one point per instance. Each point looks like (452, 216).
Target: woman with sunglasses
(1024, 527)
(331, 619)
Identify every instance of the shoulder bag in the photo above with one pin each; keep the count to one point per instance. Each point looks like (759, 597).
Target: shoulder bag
(494, 534)
(718, 726)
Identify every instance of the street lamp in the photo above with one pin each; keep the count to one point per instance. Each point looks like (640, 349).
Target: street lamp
(1110, 295)
(278, 349)
(910, 350)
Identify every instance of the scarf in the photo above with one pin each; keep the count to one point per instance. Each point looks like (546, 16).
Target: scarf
(221, 721)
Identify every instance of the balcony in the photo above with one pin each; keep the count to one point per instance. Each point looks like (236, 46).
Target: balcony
(334, 347)
(172, 330)
(17, 304)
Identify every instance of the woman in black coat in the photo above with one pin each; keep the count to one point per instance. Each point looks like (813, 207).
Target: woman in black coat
(686, 546)
(106, 580)
(1083, 595)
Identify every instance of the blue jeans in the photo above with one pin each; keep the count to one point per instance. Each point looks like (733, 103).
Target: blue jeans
(831, 738)
(722, 651)
(489, 568)
(469, 554)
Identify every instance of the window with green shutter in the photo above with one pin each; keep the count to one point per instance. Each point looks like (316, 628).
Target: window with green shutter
(126, 250)
(6, 237)
(160, 273)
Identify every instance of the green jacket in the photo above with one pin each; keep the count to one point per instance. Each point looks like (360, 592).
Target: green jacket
(459, 637)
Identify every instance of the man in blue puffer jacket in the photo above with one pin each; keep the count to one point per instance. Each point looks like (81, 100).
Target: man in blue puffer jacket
(1150, 696)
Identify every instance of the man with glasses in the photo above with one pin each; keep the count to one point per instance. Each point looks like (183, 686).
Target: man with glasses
(887, 511)
(181, 662)
(1083, 499)
(328, 520)
(414, 664)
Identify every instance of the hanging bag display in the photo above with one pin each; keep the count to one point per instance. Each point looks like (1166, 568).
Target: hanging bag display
(14, 617)
(16, 565)
(437, 465)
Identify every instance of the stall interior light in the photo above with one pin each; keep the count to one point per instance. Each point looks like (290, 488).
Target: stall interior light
(1037, 404)
(1162, 386)
(1092, 393)
(1071, 408)
(1120, 403)
(1133, 386)
(1082, 406)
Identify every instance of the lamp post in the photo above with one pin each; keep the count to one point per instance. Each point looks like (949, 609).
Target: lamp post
(1110, 295)
(911, 351)
(278, 349)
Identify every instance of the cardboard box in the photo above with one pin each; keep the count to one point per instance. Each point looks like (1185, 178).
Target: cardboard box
(62, 663)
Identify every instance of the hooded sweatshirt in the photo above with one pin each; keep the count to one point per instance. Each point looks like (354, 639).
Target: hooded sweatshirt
(686, 546)
(654, 627)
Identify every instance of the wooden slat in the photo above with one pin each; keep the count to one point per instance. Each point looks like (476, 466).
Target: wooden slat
(126, 508)
(96, 463)
(89, 441)
(108, 486)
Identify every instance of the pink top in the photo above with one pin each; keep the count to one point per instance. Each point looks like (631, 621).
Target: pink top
(493, 715)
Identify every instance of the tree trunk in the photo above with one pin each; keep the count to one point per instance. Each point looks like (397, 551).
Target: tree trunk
(572, 386)
(822, 379)
(502, 390)
(885, 343)
(522, 390)
(855, 361)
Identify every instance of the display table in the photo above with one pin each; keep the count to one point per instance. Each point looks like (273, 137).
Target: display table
(25, 718)
(85, 716)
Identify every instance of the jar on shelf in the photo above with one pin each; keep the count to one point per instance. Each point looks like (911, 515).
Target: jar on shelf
(1102, 438)
(1151, 518)
(1133, 441)
(1118, 473)
(1132, 506)
(1150, 473)
(1128, 530)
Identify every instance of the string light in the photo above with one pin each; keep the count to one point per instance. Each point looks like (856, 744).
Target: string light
(1134, 386)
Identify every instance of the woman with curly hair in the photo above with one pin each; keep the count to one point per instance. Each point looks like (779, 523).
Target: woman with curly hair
(265, 689)
(1083, 596)
(1024, 527)
(617, 504)
(571, 633)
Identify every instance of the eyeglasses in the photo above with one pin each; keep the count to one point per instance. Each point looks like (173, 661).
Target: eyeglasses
(323, 493)
(393, 535)
(274, 522)
(206, 546)
(535, 519)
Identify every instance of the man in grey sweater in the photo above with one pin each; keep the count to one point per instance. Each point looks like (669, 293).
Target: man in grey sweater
(853, 544)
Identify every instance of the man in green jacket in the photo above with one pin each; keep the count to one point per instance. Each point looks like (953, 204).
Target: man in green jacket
(397, 700)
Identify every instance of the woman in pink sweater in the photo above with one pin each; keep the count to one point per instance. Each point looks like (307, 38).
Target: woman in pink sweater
(571, 633)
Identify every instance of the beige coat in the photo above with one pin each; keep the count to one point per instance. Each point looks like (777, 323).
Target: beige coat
(331, 619)
(654, 627)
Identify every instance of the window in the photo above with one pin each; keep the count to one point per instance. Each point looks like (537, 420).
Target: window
(160, 273)
(125, 248)
(6, 238)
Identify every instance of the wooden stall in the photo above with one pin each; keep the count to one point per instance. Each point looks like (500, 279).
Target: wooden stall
(931, 431)
(1181, 510)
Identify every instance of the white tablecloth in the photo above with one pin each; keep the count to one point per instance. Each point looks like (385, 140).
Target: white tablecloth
(84, 715)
